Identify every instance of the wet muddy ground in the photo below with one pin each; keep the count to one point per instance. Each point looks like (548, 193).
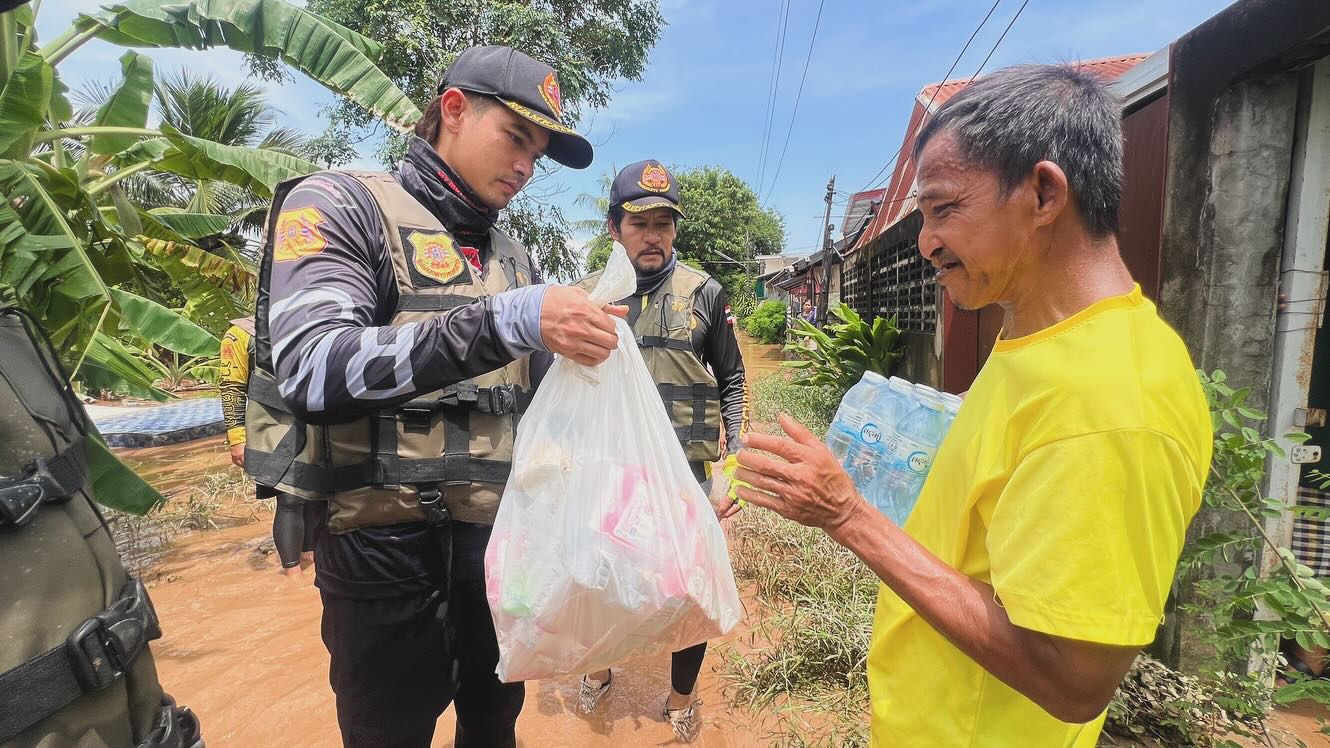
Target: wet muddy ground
(241, 647)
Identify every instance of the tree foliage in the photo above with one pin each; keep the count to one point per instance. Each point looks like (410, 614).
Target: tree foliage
(77, 249)
(767, 324)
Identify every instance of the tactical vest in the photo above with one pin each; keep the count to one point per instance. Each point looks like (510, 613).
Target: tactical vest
(457, 441)
(75, 668)
(664, 332)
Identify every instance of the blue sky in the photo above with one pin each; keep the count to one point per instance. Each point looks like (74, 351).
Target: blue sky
(704, 95)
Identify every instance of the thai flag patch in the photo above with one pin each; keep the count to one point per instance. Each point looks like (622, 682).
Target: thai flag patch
(729, 316)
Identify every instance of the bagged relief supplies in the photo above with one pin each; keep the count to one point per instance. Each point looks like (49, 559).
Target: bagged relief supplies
(604, 546)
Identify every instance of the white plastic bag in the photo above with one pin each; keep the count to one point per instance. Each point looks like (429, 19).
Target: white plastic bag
(604, 546)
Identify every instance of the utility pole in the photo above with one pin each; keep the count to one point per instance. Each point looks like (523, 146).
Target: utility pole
(823, 297)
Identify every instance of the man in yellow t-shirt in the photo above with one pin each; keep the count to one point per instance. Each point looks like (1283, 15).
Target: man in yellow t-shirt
(1038, 558)
(233, 383)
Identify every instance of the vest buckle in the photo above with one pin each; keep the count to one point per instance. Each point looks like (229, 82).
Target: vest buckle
(502, 400)
(415, 419)
(20, 497)
(103, 647)
(431, 503)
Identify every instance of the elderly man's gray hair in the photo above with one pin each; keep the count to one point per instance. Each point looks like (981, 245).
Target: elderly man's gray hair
(1016, 117)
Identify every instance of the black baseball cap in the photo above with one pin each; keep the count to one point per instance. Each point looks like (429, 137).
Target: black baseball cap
(528, 87)
(643, 186)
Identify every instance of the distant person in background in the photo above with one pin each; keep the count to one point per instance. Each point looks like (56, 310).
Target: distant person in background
(810, 314)
(297, 521)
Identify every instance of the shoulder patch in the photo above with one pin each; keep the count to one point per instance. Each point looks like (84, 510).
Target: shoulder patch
(297, 234)
(435, 256)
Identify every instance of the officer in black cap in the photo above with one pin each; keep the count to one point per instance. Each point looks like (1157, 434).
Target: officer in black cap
(685, 330)
(398, 338)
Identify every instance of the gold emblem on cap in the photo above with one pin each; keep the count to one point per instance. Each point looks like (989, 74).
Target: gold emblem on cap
(549, 91)
(654, 178)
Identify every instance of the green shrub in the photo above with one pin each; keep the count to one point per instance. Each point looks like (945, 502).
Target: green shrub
(767, 324)
(839, 356)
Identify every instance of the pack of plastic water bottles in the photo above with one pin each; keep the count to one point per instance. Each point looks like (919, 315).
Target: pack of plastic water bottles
(604, 546)
(886, 434)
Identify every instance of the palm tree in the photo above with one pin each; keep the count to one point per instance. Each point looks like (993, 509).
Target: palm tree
(201, 107)
(598, 247)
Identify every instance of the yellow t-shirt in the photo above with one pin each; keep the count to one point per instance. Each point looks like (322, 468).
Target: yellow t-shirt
(233, 380)
(1067, 482)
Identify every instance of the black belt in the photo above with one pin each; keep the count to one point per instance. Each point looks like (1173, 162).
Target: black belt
(657, 341)
(456, 466)
(44, 480)
(97, 654)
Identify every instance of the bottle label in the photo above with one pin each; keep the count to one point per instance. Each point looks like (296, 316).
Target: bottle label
(870, 434)
(914, 457)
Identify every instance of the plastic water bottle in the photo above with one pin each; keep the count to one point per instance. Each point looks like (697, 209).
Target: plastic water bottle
(916, 443)
(856, 434)
(952, 403)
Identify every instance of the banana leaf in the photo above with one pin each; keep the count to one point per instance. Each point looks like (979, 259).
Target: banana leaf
(257, 169)
(160, 326)
(340, 59)
(24, 104)
(113, 483)
(114, 358)
(127, 106)
(192, 225)
(206, 280)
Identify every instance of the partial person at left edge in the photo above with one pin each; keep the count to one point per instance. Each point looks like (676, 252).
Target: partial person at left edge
(75, 665)
(296, 520)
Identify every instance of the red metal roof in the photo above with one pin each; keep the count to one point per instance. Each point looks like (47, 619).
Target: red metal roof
(898, 200)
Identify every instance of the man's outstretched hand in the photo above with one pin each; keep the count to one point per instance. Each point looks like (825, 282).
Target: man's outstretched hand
(809, 486)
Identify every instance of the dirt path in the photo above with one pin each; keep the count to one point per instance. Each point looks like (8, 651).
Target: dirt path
(241, 646)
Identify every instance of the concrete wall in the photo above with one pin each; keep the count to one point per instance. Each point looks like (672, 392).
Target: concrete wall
(1220, 282)
(1223, 237)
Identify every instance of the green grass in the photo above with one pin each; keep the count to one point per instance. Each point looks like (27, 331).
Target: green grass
(777, 393)
(816, 604)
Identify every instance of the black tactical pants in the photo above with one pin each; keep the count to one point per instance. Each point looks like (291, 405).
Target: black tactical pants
(391, 660)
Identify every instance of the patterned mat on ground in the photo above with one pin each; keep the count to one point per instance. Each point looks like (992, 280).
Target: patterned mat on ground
(163, 424)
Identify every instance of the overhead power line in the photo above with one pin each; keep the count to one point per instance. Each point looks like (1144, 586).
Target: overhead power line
(777, 62)
(807, 59)
(872, 183)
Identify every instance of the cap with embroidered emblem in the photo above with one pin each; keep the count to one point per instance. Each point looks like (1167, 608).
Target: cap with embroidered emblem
(528, 87)
(643, 186)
